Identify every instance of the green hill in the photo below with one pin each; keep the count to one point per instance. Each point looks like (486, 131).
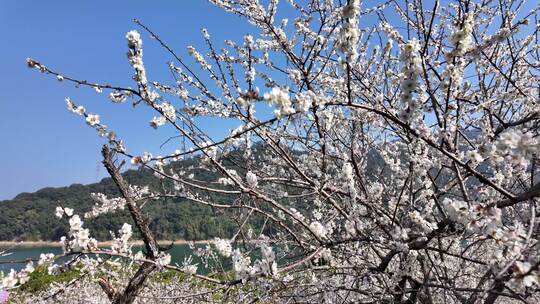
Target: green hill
(31, 216)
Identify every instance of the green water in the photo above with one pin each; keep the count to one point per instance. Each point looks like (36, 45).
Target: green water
(17, 257)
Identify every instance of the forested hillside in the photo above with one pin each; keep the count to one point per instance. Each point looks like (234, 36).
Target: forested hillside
(31, 216)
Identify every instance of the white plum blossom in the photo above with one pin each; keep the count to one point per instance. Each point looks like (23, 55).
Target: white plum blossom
(297, 215)
(409, 84)
(45, 258)
(24, 274)
(10, 280)
(120, 243)
(225, 181)
(163, 259)
(243, 102)
(140, 160)
(68, 211)
(266, 265)
(241, 265)
(305, 100)
(319, 229)
(223, 247)
(475, 156)
(92, 120)
(281, 99)
(424, 224)
(199, 58)
(457, 210)
(75, 223)
(79, 110)
(79, 237)
(347, 175)
(117, 97)
(461, 38)
(14, 278)
(54, 269)
(59, 212)
(125, 231)
(135, 55)
(251, 179)
(105, 205)
(528, 277)
(188, 267)
(349, 35)
(168, 111)
(158, 121)
(134, 39)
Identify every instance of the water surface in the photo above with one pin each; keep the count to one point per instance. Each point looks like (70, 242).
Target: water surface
(19, 256)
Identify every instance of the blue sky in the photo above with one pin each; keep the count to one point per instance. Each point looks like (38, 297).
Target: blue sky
(42, 144)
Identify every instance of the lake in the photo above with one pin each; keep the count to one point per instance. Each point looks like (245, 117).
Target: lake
(20, 254)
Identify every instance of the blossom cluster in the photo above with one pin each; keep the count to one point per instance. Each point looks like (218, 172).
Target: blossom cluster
(462, 37)
(410, 75)
(93, 120)
(78, 237)
(515, 146)
(265, 266)
(349, 34)
(251, 179)
(318, 229)
(105, 205)
(120, 243)
(281, 99)
(188, 266)
(223, 246)
(14, 278)
(169, 113)
(135, 57)
(347, 175)
(199, 58)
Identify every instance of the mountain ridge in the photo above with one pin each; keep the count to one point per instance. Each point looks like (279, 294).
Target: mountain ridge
(30, 216)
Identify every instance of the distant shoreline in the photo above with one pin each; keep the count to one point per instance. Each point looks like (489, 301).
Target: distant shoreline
(35, 244)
